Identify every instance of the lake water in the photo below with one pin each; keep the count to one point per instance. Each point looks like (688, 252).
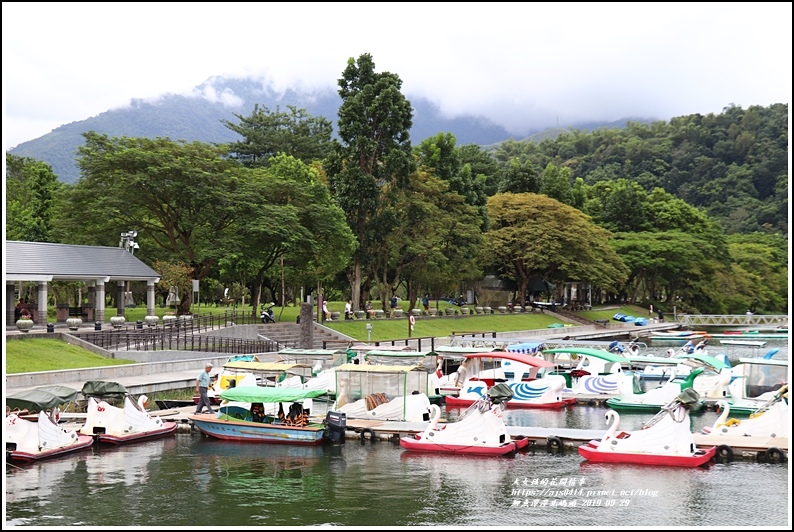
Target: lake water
(189, 480)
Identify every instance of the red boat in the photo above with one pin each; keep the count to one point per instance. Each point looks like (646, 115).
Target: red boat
(665, 440)
(110, 424)
(480, 430)
(29, 441)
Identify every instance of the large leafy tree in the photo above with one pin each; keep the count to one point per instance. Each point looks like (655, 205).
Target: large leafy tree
(435, 240)
(440, 156)
(181, 197)
(288, 215)
(31, 192)
(267, 133)
(532, 234)
(372, 160)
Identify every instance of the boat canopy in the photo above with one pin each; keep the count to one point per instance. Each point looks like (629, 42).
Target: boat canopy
(42, 398)
(264, 366)
(458, 350)
(515, 357)
(596, 353)
(379, 368)
(705, 360)
(268, 394)
(104, 389)
(525, 347)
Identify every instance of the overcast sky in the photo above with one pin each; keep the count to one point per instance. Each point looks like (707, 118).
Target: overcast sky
(518, 64)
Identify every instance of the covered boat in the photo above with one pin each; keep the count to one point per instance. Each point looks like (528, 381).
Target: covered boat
(520, 372)
(130, 423)
(242, 416)
(480, 429)
(665, 440)
(29, 441)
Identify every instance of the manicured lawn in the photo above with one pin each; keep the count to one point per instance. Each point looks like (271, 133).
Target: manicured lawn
(47, 354)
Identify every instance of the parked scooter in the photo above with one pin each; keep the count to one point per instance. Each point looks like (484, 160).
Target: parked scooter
(267, 314)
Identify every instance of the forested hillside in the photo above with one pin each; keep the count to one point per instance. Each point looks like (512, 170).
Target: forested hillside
(733, 164)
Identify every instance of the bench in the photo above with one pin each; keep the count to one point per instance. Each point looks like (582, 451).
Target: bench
(603, 322)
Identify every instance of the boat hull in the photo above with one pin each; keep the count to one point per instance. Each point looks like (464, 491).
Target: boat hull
(238, 430)
(83, 442)
(455, 402)
(410, 443)
(590, 452)
(168, 427)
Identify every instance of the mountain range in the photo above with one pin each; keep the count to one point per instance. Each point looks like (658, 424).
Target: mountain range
(197, 117)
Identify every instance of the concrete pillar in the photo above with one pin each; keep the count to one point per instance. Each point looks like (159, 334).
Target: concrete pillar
(41, 317)
(150, 298)
(120, 299)
(11, 302)
(99, 301)
(307, 326)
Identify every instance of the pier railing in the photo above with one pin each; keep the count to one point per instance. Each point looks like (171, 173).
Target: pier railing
(731, 320)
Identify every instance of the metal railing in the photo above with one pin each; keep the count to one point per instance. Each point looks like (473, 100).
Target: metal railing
(730, 320)
(180, 335)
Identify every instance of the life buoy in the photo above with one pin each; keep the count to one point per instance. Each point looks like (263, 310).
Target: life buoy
(774, 455)
(554, 444)
(411, 320)
(724, 454)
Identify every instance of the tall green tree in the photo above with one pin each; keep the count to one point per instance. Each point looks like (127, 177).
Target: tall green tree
(267, 133)
(181, 197)
(372, 160)
(532, 234)
(287, 215)
(32, 190)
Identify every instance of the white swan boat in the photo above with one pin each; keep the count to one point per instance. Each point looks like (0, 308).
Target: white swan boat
(665, 440)
(772, 420)
(520, 372)
(480, 430)
(631, 399)
(28, 441)
(30, 438)
(111, 424)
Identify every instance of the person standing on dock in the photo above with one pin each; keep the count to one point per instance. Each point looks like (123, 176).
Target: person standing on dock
(202, 383)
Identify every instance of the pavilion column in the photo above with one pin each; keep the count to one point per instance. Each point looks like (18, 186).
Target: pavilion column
(10, 302)
(99, 301)
(150, 301)
(120, 299)
(41, 314)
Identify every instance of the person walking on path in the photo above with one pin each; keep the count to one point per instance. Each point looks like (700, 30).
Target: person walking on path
(202, 383)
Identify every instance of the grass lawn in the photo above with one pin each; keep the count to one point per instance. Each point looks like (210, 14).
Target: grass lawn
(34, 354)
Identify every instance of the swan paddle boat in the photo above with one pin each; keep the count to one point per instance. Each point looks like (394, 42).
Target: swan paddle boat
(519, 372)
(480, 429)
(632, 399)
(665, 440)
(597, 371)
(111, 424)
(771, 420)
(28, 440)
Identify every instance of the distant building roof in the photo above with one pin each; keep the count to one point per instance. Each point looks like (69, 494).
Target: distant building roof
(46, 261)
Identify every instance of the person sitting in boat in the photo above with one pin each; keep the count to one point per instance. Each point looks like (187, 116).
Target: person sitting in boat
(258, 412)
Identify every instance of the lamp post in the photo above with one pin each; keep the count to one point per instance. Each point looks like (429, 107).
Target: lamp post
(128, 243)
